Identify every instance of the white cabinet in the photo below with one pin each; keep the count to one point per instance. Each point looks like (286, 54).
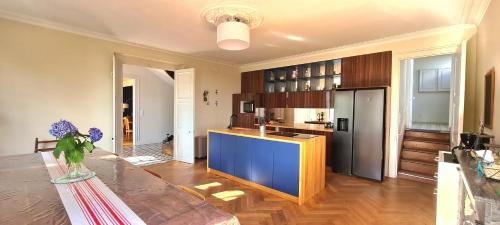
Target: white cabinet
(448, 191)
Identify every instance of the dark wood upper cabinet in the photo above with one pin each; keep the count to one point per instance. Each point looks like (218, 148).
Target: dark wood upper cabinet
(294, 100)
(308, 99)
(275, 100)
(317, 99)
(252, 82)
(372, 70)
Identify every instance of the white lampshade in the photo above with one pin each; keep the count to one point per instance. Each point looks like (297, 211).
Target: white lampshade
(233, 35)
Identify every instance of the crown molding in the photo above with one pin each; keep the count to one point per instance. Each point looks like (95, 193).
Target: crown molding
(96, 35)
(474, 11)
(356, 46)
(482, 11)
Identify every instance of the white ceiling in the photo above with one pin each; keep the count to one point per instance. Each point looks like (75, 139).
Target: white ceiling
(176, 25)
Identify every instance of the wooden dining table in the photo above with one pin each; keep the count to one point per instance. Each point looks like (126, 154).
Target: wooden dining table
(28, 197)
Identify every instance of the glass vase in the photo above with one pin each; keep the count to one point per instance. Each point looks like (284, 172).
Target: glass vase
(76, 172)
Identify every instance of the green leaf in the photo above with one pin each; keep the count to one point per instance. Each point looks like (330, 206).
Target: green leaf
(89, 146)
(77, 155)
(57, 151)
(67, 143)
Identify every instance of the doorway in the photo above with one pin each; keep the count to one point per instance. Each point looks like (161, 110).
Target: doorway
(128, 112)
(427, 87)
(152, 110)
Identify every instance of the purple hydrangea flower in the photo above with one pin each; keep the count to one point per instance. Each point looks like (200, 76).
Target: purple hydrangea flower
(61, 128)
(95, 134)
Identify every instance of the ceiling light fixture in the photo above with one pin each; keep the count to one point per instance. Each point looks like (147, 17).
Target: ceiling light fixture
(233, 24)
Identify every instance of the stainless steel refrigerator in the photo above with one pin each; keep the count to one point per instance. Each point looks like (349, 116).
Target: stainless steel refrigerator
(358, 138)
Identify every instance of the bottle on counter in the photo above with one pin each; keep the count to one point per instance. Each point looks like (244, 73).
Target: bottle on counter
(262, 125)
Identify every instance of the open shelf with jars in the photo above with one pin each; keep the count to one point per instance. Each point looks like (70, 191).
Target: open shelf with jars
(316, 76)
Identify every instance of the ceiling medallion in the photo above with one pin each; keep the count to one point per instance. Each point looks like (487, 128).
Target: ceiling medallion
(233, 23)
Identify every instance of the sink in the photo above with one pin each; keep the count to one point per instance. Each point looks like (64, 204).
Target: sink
(290, 134)
(284, 134)
(315, 122)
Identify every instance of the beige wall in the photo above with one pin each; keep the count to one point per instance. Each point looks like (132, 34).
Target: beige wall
(487, 57)
(47, 74)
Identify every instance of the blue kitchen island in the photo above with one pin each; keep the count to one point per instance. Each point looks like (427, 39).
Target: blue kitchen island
(290, 167)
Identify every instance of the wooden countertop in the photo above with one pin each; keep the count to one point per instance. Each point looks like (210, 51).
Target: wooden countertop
(253, 133)
(302, 126)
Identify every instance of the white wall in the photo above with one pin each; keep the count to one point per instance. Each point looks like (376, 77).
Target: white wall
(153, 103)
(47, 74)
(430, 107)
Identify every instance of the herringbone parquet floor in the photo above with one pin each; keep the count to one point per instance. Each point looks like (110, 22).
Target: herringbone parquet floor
(345, 200)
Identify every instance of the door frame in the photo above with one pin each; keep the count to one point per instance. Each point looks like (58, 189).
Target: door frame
(119, 59)
(392, 149)
(456, 123)
(135, 104)
(408, 90)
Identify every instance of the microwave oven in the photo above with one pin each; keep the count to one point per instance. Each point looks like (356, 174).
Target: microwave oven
(247, 107)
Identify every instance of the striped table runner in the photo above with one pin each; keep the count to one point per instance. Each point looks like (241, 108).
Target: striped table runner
(89, 201)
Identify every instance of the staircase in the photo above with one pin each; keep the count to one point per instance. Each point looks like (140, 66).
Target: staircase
(420, 148)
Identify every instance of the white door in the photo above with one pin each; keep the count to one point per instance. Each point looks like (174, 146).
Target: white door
(184, 115)
(457, 95)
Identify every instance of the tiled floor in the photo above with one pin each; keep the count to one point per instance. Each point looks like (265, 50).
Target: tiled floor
(430, 126)
(143, 155)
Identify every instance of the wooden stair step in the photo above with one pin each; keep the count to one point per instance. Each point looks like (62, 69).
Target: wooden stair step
(427, 140)
(419, 155)
(428, 131)
(434, 151)
(418, 167)
(444, 136)
(426, 145)
(416, 177)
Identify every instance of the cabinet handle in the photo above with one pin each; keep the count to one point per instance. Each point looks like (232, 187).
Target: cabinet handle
(435, 191)
(436, 175)
(436, 159)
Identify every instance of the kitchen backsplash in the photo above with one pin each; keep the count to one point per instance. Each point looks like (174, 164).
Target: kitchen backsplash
(297, 115)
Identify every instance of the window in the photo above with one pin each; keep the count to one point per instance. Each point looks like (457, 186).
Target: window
(434, 80)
